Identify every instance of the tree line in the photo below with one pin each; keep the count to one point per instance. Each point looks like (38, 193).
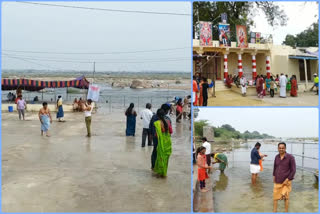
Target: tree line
(226, 131)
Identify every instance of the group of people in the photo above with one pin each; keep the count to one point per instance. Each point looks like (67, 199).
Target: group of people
(284, 169)
(200, 88)
(157, 128)
(203, 159)
(46, 119)
(265, 85)
(78, 104)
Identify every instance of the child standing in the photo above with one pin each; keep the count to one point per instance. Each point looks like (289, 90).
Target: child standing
(202, 166)
(272, 86)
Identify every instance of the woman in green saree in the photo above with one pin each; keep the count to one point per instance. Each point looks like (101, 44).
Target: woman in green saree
(164, 149)
(221, 159)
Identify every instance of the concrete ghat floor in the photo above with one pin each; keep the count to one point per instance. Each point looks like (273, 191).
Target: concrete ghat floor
(230, 98)
(107, 173)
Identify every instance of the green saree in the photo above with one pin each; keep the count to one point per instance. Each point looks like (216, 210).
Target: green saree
(163, 150)
(223, 160)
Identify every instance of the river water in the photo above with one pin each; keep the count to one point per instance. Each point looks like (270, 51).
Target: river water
(111, 98)
(233, 191)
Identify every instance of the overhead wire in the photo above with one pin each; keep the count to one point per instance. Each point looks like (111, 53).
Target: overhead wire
(101, 62)
(106, 9)
(89, 60)
(96, 53)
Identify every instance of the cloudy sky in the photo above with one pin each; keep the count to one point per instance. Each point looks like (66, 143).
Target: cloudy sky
(27, 27)
(301, 15)
(279, 122)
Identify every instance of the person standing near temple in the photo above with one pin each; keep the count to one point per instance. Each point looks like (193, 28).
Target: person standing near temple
(283, 85)
(243, 83)
(284, 170)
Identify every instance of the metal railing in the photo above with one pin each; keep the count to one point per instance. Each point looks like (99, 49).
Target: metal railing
(302, 155)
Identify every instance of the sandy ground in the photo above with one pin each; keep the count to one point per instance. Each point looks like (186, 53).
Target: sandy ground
(108, 172)
(230, 98)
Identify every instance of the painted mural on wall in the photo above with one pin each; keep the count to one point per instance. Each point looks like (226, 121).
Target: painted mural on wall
(241, 32)
(224, 35)
(205, 33)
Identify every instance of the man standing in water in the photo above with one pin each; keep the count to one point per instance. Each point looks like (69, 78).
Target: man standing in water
(146, 116)
(284, 170)
(254, 164)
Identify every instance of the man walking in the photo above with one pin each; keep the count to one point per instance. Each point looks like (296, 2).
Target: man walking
(315, 83)
(284, 170)
(254, 164)
(146, 116)
(208, 151)
(21, 106)
(87, 114)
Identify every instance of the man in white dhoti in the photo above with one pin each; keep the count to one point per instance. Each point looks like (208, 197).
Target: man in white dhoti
(243, 83)
(283, 84)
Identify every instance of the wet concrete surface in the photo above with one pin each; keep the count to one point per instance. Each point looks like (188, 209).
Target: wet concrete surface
(230, 98)
(202, 201)
(108, 172)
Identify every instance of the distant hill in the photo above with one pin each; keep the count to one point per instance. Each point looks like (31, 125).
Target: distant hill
(111, 74)
(226, 131)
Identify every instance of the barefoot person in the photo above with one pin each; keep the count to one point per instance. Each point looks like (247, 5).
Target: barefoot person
(21, 106)
(254, 164)
(221, 159)
(202, 168)
(146, 116)
(208, 151)
(87, 113)
(284, 170)
(45, 119)
(60, 113)
(163, 130)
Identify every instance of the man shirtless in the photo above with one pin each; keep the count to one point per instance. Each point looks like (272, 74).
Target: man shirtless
(45, 119)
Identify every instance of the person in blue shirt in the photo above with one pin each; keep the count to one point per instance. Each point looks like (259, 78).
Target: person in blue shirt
(254, 164)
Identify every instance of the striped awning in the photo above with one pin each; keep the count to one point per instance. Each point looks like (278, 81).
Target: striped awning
(36, 85)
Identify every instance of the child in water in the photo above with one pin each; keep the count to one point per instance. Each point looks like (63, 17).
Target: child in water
(202, 166)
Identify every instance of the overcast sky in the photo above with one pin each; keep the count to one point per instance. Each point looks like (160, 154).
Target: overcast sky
(53, 29)
(301, 15)
(278, 122)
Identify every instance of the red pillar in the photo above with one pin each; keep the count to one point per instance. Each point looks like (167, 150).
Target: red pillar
(225, 65)
(240, 65)
(254, 67)
(268, 66)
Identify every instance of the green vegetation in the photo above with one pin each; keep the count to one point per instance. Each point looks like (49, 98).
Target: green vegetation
(226, 132)
(239, 13)
(307, 38)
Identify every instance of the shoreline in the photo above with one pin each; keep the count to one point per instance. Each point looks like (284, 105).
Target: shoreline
(134, 82)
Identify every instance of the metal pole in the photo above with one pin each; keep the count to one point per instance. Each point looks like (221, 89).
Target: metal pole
(124, 101)
(138, 103)
(110, 104)
(94, 70)
(302, 156)
(232, 154)
(306, 73)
